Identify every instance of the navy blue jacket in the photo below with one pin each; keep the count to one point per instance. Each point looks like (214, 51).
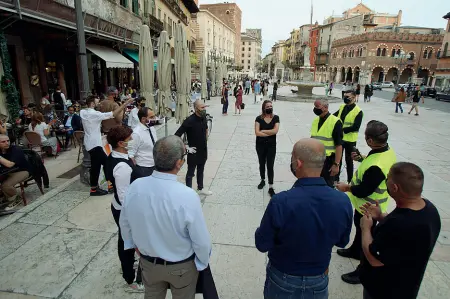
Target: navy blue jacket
(301, 226)
(76, 122)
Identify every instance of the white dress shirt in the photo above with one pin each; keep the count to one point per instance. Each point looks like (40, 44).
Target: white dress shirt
(92, 121)
(164, 218)
(133, 119)
(141, 148)
(122, 176)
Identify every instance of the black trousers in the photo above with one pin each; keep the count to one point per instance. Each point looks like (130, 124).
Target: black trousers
(356, 246)
(347, 149)
(326, 170)
(266, 156)
(98, 158)
(126, 257)
(247, 90)
(195, 163)
(144, 171)
(274, 96)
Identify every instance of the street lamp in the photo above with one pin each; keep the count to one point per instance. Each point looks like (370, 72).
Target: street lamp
(401, 61)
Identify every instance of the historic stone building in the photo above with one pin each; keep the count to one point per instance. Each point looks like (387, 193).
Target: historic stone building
(383, 56)
(442, 79)
(251, 52)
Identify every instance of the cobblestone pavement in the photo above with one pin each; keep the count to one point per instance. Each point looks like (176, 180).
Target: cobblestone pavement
(64, 244)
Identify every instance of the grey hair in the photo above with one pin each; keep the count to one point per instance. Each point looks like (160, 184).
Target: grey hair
(324, 102)
(167, 152)
(311, 156)
(111, 89)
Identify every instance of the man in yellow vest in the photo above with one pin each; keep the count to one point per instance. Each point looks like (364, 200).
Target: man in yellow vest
(328, 129)
(368, 185)
(351, 116)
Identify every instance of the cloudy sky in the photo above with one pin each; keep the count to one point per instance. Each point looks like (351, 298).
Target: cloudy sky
(278, 17)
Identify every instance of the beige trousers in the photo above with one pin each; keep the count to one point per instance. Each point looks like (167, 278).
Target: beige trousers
(182, 279)
(12, 179)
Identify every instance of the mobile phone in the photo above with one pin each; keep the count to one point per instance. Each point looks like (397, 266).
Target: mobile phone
(355, 150)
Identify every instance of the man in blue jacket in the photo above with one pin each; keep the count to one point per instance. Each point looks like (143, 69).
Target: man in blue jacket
(301, 226)
(72, 123)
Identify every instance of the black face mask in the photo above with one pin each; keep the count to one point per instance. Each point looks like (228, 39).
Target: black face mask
(317, 111)
(347, 100)
(269, 111)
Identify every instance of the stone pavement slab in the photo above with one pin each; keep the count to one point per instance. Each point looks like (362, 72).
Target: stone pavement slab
(63, 245)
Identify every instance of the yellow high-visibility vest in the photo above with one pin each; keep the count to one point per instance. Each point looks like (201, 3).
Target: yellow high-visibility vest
(349, 121)
(384, 161)
(325, 134)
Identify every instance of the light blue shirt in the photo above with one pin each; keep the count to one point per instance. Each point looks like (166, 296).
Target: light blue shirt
(164, 218)
(247, 84)
(257, 87)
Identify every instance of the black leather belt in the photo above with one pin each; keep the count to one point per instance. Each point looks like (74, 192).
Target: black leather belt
(160, 261)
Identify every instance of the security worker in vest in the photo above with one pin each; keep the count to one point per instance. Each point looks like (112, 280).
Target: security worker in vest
(328, 129)
(351, 116)
(368, 185)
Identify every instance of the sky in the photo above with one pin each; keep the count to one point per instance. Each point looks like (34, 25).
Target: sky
(277, 18)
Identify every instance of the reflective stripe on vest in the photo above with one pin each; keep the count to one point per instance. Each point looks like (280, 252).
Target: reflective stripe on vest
(325, 134)
(349, 121)
(384, 161)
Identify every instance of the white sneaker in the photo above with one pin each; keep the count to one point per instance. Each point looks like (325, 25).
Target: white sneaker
(205, 192)
(135, 288)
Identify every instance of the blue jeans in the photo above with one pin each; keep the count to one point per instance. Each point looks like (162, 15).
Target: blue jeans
(398, 105)
(225, 106)
(283, 286)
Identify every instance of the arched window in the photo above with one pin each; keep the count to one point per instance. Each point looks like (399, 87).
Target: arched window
(425, 54)
(411, 56)
(393, 53)
(444, 53)
(361, 52)
(379, 52)
(430, 53)
(383, 53)
(398, 52)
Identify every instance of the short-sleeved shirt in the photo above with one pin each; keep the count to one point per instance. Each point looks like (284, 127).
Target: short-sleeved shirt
(91, 123)
(16, 155)
(263, 125)
(39, 128)
(195, 127)
(403, 242)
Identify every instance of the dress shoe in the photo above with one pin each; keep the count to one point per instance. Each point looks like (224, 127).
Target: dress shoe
(348, 253)
(352, 277)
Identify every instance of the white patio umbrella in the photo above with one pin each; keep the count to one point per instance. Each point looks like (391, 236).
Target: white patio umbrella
(146, 67)
(203, 75)
(218, 74)
(183, 74)
(3, 109)
(164, 74)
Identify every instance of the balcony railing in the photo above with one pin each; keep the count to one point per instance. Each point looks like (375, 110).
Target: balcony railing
(154, 24)
(176, 9)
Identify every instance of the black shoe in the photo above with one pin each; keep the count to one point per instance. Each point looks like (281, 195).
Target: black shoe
(271, 192)
(98, 192)
(261, 185)
(348, 253)
(46, 186)
(352, 277)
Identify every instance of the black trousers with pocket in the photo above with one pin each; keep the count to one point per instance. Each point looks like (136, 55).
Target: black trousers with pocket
(356, 246)
(266, 157)
(195, 161)
(98, 158)
(126, 257)
(347, 148)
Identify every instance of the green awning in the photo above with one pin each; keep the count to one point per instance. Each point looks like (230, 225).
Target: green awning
(132, 54)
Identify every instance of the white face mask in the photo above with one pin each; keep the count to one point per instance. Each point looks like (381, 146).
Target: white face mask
(129, 144)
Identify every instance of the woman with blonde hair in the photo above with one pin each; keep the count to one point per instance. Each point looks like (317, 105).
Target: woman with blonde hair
(39, 126)
(266, 129)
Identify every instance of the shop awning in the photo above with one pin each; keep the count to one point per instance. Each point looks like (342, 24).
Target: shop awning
(112, 58)
(133, 54)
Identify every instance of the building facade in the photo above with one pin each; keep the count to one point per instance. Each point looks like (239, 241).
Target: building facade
(215, 38)
(251, 51)
(231, 15)
(398, 57)
(442, 79)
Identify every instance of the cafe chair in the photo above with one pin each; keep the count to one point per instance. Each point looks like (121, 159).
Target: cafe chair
(38, 174)
(79, 135)
(35, 142)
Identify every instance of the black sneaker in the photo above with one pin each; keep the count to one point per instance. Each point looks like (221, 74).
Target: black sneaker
(98, 192)
(271, 192)
(348, 253)
(261, 185)
(352, 277)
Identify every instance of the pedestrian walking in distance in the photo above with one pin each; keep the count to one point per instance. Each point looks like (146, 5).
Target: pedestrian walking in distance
(397, 250)
(266, 129)
(238, 104)
(275, 90)
(399, 100)
(174, 245)
(368, 185)
(299, 258)
(357, 92)
(415, 99)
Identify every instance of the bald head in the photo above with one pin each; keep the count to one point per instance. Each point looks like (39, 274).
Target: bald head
(310, 152)
(199, 106)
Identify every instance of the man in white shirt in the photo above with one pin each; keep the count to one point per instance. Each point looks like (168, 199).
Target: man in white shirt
(144, 138)
(133, 119)
(118, 170)
(163, 220)
(92, 120)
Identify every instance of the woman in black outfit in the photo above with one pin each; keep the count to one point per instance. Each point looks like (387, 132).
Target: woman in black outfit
(266, 129)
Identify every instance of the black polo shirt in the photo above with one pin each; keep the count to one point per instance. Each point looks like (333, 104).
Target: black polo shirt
(195, 128)
(16, 155)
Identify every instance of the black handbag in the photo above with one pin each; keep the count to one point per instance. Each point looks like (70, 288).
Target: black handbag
(222, 100)
(206, 285)
(242, 106)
